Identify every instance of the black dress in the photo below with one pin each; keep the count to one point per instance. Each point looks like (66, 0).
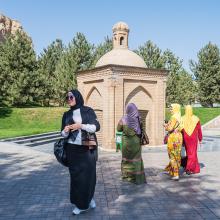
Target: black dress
(82, 162)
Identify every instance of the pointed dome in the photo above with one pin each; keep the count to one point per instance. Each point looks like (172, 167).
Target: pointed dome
(120, 54)
(122, 57)
(120, 26)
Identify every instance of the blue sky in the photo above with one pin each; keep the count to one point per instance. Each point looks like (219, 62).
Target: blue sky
(183, 26)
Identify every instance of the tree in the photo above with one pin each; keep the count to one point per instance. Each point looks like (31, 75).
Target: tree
(207, 74)
(186, 93)
(180, 86)
(47, 63)
(79, 55)
(152, 55)
(17, 70)
(174, 65)
(65, 76)
(81, 51)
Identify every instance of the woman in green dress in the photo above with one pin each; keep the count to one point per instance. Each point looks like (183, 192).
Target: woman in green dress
(132, 166)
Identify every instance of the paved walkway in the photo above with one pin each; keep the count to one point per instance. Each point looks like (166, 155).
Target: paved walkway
(34, 186)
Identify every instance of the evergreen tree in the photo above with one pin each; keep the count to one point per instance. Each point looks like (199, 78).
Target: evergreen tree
(186, 93)
(82, 52)
(79, 55)
(17, 70)
(154, 57)
(65, 76)
(47, 63)
(174, 65)
(151, 54)
(207, 74)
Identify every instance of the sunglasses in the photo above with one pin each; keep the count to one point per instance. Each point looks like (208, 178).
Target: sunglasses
(70, 97)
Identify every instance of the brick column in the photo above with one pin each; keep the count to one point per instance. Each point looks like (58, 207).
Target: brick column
(108, 113)
(160, 113)
(119, 100)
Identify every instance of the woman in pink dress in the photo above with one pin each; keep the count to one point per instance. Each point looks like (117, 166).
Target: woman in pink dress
(192, 134)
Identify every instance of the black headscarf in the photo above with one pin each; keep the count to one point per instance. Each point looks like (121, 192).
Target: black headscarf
(78, 98)
(79, 104)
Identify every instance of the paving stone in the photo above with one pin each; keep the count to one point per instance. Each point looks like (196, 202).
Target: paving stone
(34, 186)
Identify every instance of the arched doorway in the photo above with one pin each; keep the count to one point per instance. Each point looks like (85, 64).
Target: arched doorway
(144, 102)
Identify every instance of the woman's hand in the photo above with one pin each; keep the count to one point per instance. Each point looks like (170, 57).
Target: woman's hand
(75, 126)
(165, 125)
(67, 128)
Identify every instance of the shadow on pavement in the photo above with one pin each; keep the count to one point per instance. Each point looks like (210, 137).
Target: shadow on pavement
(37, 187)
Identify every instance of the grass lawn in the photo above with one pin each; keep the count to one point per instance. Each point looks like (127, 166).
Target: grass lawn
(205, 114)
(26, 121)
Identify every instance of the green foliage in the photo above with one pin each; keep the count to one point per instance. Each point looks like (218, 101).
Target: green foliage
(17, 70)
(47, 64)
(174, 65)
(81, 51)
(77, 56)
(207, 74)
(27, 81)
(186, 89)
(65, 76)
(180, 87)
(151, 54)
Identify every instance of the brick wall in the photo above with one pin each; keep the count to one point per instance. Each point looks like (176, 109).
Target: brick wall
(108, 89)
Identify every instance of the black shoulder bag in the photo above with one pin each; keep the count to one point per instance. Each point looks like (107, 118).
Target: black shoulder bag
(143, 137)
(60, 151)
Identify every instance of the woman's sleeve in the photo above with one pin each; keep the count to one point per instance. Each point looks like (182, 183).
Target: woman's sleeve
(89, 128)
(93, 121)
(120, 126)
(63, 133)
(171, 124)
(199, 131)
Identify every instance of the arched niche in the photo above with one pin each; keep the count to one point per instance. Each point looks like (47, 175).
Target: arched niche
(94, 100)
(144, 102)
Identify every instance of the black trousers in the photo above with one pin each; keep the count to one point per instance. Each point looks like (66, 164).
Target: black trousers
(82, 169)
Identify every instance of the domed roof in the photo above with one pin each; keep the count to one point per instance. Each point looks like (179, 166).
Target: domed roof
(123, 57)
(122, 26)
(120, 54)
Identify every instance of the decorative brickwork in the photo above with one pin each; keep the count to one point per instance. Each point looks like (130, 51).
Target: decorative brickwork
(119, 78)
(109, 89)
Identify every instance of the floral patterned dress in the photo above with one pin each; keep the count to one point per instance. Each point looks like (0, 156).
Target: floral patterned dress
(174, 145)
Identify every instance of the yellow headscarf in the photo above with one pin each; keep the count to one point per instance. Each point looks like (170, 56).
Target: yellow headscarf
(176, 112)
(189, 121)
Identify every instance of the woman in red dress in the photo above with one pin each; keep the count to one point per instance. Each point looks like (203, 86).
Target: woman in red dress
(192, 134)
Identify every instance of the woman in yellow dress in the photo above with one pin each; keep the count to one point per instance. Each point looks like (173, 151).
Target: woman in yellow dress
(174, 142)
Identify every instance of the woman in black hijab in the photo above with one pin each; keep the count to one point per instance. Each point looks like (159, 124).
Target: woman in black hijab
(79, 125)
